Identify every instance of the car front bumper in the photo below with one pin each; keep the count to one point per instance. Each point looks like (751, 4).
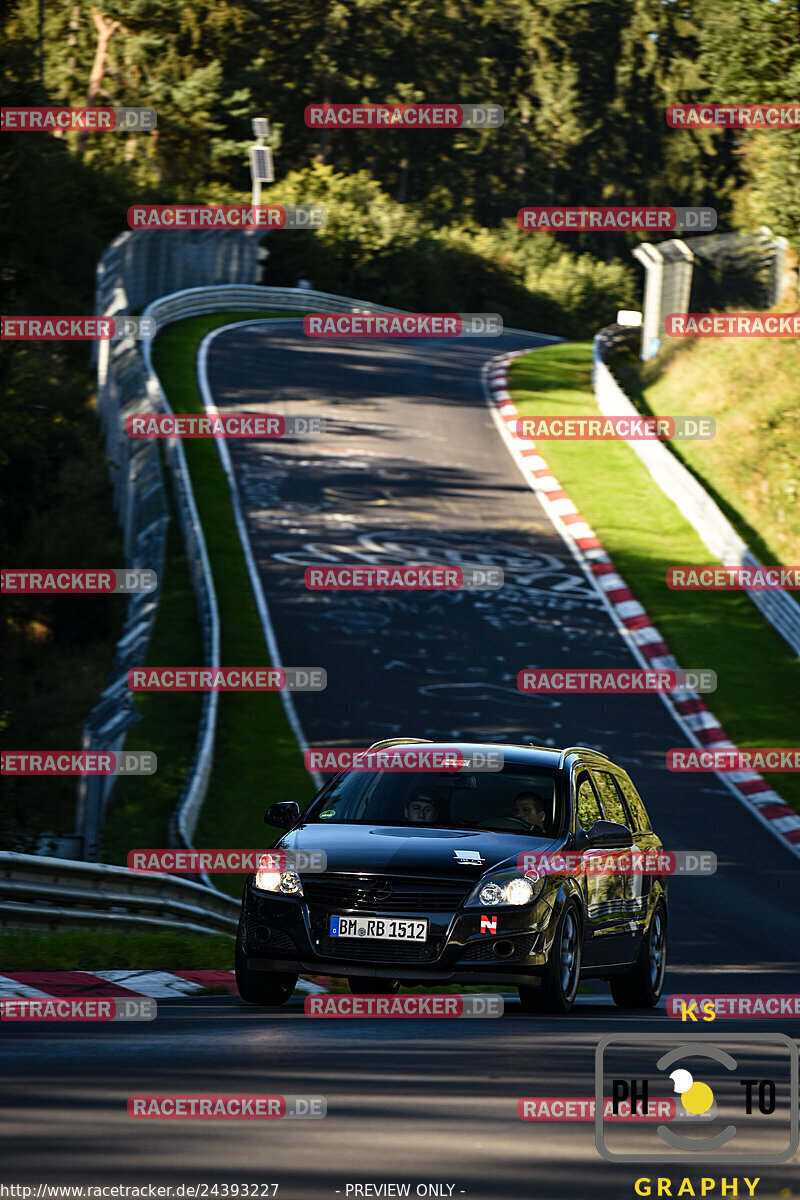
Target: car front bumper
(285, 934)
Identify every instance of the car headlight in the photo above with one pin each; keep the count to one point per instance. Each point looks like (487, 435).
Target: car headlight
(508, 887)
(491, 893)
(287, 883)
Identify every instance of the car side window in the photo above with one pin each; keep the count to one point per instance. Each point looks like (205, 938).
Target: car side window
(641, 822)
(609, 798)
(586, 805)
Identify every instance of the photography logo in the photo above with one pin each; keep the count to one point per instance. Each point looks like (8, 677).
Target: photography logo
(736, 1097)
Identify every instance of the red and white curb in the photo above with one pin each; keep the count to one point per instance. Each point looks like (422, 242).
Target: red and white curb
(159, 985)
(646, 643)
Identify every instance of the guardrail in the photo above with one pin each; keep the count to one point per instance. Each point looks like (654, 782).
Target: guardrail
(54, 892)
(135, 268)
(193, 302)
(149, 263)
(126, 382)
(140, 502)
(715, 530)
(198, 301)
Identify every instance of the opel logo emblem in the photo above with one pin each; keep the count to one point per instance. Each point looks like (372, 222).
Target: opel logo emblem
(374, 894)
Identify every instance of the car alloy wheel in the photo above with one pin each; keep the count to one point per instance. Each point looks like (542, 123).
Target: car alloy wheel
(657, 951)
(569, 955)
(640, 987)
(559, 985)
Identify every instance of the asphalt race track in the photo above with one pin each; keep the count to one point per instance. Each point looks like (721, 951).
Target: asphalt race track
(411, 468)
(408, 1101)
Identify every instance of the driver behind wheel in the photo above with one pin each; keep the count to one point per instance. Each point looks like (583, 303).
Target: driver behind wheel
(528, 807)
(421, 810)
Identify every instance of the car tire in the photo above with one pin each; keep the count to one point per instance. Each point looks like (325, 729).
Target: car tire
(563, 971)
(260, 987)
(641, 987)
(361, 986)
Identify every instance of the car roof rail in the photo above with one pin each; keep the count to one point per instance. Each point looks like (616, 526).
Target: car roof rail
(400, 742)
(585, 750)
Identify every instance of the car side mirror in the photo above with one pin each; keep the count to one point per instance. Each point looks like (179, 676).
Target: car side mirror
(604, 835)
(285, 815)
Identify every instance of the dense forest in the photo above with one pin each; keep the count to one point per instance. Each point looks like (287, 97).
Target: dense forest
(584, 86)
(415, 219)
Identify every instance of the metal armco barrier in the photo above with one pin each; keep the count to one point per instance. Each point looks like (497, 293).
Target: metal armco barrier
(197, 301)
(127, 383)
(141, 505)
(153, 263)
(193, 302)
(137, 267)
(57, 892)
(715, 530)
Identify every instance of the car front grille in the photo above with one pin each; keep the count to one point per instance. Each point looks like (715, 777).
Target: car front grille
(378, 950)
(385, 893)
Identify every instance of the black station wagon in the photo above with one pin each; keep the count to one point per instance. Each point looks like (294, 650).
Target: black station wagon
(519, 876)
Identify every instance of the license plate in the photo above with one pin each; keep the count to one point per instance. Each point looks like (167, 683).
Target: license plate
(396, 929)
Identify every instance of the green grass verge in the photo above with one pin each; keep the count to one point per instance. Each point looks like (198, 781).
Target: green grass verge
(256, 758)
(168, 723)
(758, 677)
(752, 467)
(141, 806)
(107, 950)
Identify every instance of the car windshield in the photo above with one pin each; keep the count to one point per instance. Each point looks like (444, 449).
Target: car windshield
(515, 800)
